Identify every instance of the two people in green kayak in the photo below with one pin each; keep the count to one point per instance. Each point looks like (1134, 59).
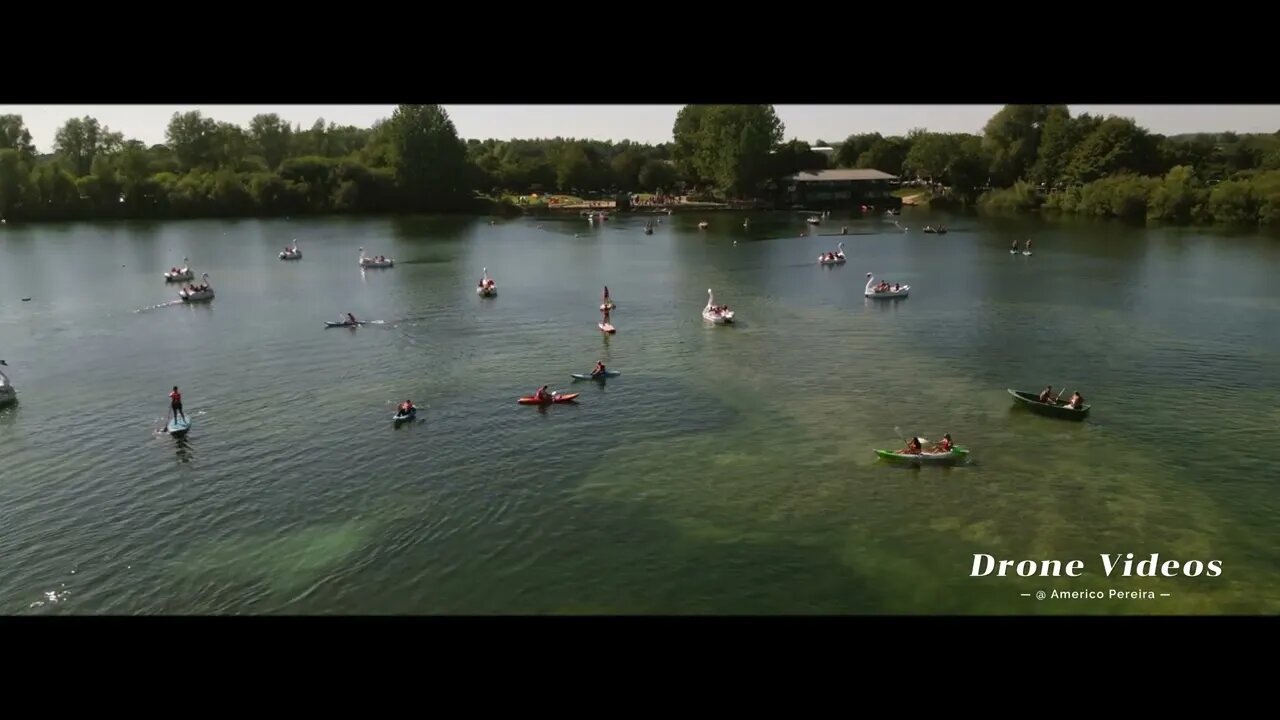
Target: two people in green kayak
(914, 446)
(1048, 398)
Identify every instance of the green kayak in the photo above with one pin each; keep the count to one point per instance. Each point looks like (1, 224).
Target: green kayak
(956, 454)
(1060, 410)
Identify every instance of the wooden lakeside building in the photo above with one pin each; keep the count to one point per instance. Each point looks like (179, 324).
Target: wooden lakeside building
(838, 189)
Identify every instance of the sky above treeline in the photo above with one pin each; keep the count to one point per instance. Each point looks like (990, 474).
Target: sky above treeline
(643, 123)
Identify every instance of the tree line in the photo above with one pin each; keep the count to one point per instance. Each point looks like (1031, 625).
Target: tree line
(1027, 157)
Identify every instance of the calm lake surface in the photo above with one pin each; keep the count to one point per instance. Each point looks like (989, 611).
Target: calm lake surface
(727, 470)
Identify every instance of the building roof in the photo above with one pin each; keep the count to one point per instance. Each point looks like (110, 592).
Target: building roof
(841, 175)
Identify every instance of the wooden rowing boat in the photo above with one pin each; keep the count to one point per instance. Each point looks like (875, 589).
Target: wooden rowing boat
(1059, 410)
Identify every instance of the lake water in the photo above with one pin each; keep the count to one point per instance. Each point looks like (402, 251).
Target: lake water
(727, 470)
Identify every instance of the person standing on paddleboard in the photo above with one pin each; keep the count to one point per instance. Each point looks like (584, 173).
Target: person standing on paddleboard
(175, 404)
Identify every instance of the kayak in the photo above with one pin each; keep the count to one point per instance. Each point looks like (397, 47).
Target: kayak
(606, 327)
(179, 427)
(956, 454)
(1026, 252)
(589, 376)
(1059, 410)
(401, 418)
(530, 400)
(343, 324)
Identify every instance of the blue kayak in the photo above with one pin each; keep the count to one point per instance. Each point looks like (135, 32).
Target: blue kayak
(589, 376)
(179, 427)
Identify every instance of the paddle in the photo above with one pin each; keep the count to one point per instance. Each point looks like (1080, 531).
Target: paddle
(1057, 398)
(904, 440)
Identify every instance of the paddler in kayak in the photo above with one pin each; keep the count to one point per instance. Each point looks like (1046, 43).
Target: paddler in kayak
(944, 445)
(1015, 246)
(542, 395)
(599, 370)
(350, 319)
(1047, 396)
(1077, 401)
(406, 407)
(912, 448)
(175, 404)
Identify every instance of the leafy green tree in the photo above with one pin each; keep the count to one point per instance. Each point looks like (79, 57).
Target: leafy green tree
(886, 155)
(854, 146)
(270, 137)
(1058, 136)
(657, 175)
(1012, 140)
(429, 158)
(14, 176)
(80, 140)
(1115, 146)
(193, 138)
(727, 144)
(15, 136)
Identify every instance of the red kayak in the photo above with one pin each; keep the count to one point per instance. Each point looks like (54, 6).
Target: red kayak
(530, 400)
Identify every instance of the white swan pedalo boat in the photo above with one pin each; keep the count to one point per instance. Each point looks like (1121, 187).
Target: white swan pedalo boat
(837, 258)
(901, 292)
(375, 262)
(712, 314)
(487, 287)
(7, 394)
(205, 292)
(180, 274)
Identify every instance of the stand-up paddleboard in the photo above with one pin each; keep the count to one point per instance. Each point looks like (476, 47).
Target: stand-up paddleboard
(589, 376)
(178, 427)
